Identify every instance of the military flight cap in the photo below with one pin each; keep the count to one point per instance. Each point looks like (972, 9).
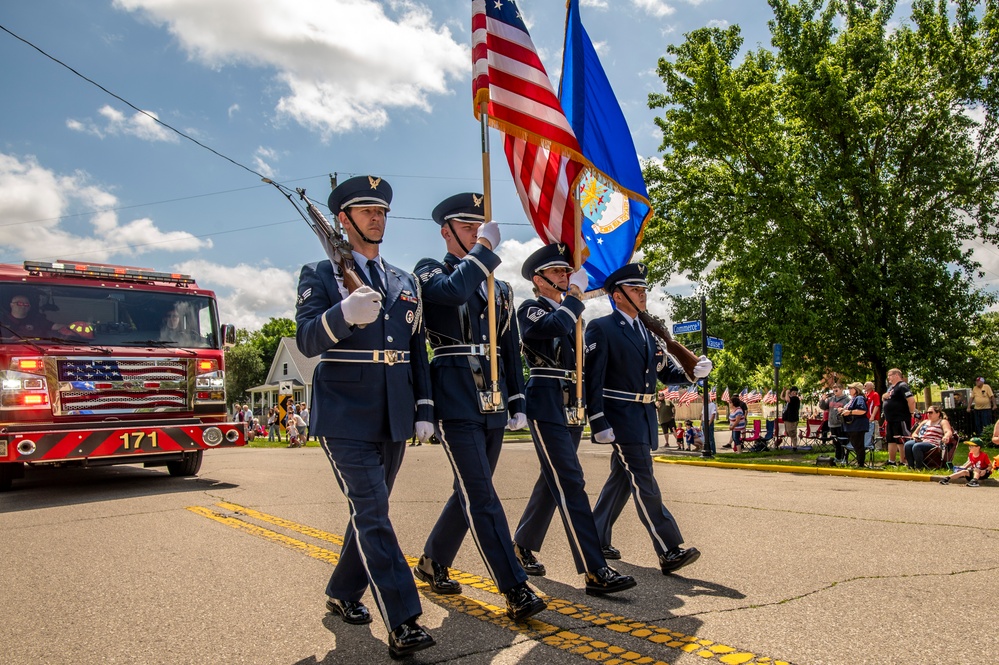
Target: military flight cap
(549, 256)
(630, 274)
(364, 191)
(466, 207)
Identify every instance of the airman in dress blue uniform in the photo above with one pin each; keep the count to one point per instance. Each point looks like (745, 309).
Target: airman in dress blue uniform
(371, 385)
(548, 324)
(468, 423)
(620, 405)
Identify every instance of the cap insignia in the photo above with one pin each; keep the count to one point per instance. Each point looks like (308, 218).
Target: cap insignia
(374, 182)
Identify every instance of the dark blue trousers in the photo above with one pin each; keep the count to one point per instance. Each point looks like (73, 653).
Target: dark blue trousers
(631, 474)
(371, 555)
(465, 445)
(560, 485)
(448, 533)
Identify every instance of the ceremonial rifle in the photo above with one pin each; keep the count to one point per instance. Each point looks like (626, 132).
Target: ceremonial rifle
(331, 236)
(682, 354)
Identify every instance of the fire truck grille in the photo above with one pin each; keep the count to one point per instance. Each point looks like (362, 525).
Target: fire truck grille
(101, 385)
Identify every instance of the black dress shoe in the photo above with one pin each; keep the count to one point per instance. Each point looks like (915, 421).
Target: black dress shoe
(610, 552)
(607, 580)
(437, 577)
(409, 638)
(528, 561)
(349, 610)
(677, 558)
(522, 603)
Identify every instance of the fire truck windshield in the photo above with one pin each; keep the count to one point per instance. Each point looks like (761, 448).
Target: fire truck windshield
(109, 316)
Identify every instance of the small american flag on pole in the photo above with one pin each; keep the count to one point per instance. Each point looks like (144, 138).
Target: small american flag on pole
(713, 395)
(770, 397)
(541, 148)
(690, 395)
(725, 396)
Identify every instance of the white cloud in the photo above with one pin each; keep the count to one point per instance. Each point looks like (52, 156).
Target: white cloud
(718, 23)
(601, 48)
(598, 4)
(233, 110)
(35, 201)
(248, 295)
(262, 159)
(117, 123)
(656, 8)
(344, 64)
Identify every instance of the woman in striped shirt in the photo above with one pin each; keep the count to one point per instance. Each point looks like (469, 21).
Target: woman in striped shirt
(934, 432)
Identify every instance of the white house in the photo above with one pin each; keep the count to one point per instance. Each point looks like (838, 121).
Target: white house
(291, 367)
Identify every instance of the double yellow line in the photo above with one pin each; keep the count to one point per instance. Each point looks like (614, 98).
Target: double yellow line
(590, 648)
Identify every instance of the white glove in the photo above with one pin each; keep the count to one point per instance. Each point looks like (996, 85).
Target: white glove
(519, 421)
(424, 430)
(606, 436)
(490, 233)
(703, 367)
(580, 279)
(362, 306)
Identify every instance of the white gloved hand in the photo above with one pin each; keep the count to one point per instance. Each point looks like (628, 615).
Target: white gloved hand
(362, 306)
(424, 430)
(606, 436)
(579, 279)
(703, 367)
(490, 232)
(519, 421)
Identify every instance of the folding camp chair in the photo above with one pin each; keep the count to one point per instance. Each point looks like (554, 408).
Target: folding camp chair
(815, 436)
(753, 440)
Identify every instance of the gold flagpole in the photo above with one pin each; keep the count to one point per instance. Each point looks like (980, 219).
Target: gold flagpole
(496, 396)
(578, 261)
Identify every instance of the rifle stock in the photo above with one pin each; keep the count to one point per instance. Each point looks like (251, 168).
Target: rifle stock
(682, 354)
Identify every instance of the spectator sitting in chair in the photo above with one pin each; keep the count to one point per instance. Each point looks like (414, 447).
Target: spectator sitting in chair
(855, 424)
(977, 469)
(737, 422)
(934, 432)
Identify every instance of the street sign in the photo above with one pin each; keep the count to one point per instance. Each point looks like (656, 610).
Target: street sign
(778, 355)
(715, 343)
(686, 327)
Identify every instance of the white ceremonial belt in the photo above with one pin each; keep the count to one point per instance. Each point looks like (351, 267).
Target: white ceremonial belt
(461, 350)
(553, 373)
(644, 398)
(386, 356)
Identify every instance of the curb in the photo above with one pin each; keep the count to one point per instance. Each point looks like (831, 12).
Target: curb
(814, 471)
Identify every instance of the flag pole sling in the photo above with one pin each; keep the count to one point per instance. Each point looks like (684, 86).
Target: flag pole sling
(487, 203)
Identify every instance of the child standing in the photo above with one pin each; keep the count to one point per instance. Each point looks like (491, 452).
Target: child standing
(978, 468)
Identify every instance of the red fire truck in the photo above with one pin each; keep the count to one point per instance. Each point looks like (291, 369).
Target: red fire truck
(104, 364)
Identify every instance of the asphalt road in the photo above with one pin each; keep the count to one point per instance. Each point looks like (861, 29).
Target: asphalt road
(128, 565)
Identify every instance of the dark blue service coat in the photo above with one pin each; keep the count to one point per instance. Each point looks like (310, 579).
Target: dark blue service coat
(618, 358)
(364, 401)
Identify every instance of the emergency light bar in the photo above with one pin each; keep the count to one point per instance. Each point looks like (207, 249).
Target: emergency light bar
(106, 272)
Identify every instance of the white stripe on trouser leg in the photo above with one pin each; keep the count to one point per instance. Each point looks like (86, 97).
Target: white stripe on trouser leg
(468, 505)
(637, 494)
(375, 591)
(561, 493)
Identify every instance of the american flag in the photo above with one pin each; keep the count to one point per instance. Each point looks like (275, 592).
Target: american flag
(770, 397)
(96, 385)
(690, 395)
(672, 392)
(725, 395)
(752, 397)
(541, 148)
(713, 395)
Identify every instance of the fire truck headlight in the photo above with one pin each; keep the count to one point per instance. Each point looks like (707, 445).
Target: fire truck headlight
(212, 436)
(232, 436)
(26, 447)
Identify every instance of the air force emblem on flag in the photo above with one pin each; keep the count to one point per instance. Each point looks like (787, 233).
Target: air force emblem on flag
(602, 204)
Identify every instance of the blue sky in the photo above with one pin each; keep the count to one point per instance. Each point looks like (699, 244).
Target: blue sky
(293, 89)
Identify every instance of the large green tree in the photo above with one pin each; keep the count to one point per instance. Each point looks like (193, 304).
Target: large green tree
(826, 193)
(269, 336)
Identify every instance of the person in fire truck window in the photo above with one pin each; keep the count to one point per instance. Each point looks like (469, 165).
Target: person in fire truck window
(22, 319)
(175, 326)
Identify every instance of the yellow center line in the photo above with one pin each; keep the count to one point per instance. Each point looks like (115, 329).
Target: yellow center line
(548, 634)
